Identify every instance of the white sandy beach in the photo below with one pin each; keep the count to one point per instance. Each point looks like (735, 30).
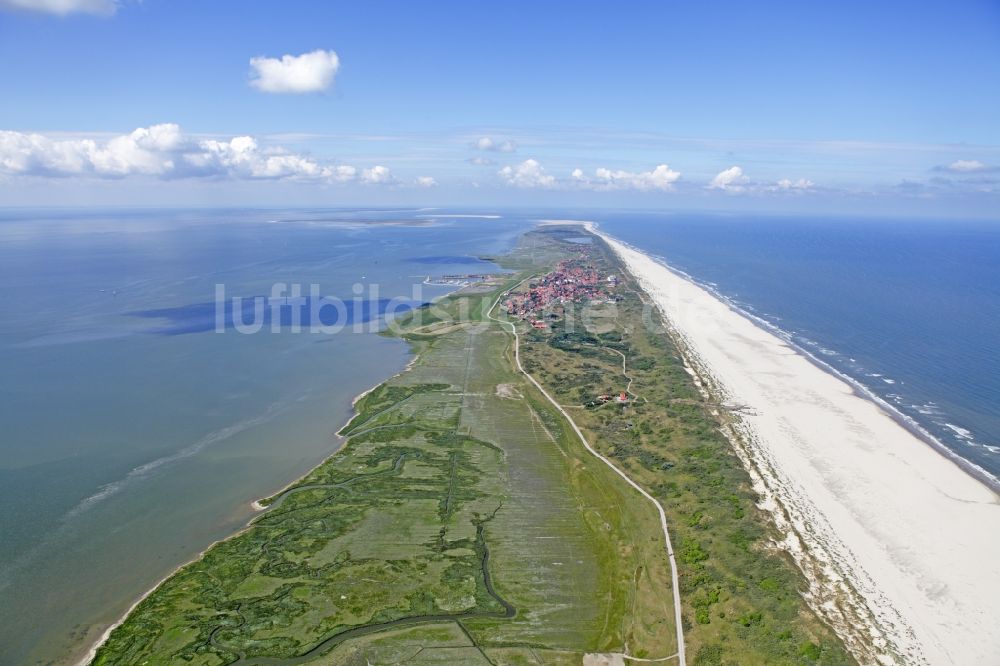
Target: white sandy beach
(901, 546)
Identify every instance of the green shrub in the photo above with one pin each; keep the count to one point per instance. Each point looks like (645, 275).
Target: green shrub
(692, 552)
(810, 651)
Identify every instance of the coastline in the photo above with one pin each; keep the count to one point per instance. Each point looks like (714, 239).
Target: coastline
(894, 538)
(257, 508)
(863, 391)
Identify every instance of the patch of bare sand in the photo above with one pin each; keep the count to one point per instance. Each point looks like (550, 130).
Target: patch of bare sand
(508, 391)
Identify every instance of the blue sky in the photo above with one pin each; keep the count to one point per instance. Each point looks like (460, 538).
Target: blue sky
(849, 106)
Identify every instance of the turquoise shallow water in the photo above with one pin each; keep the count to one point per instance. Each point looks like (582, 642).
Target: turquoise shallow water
(133, 434)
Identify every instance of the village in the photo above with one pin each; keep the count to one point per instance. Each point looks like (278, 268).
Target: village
(570, 282)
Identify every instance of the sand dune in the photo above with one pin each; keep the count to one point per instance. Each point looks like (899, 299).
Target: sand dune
(902, 547)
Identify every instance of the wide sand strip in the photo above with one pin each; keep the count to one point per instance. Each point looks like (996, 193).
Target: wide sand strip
(902, 547)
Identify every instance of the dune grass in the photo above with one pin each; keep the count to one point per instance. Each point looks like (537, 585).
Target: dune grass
(740, 594)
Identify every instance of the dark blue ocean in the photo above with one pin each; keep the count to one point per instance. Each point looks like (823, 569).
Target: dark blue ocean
(910, 309)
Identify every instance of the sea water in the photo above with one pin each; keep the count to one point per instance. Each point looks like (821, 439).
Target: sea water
(133, 433)
(908, 309)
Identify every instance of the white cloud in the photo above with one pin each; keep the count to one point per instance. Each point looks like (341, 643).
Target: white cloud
(344, 173)
(660, 178)
(528, 173)
(733, 180)
(164, 151)
(800, 184)
(426, 181)
(966, 166)
(479, 160)
(242, 157)
(306, 73)
(490, 144)
(730, 180)
(531, 174)
(63, 7)
(377, 175)
(149, 151)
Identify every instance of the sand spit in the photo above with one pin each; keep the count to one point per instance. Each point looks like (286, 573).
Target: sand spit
(899, 544)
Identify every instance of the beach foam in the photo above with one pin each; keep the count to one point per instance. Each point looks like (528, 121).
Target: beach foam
(899, 544)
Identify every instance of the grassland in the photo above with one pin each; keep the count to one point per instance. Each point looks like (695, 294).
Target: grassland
(461, 523)
(740, 595)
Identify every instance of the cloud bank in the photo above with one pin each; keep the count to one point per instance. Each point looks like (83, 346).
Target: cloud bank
(63, 7)
(968, 167)
(489, 144)
(787, 184)
(734, 181)
(730, 180)
(306, 73)
(164, 151)
(661, 178)
(528, 174)
(531, 174)
(377, 175)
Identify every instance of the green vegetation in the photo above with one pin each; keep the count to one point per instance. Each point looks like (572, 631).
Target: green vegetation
(741, 600)
(462, 522)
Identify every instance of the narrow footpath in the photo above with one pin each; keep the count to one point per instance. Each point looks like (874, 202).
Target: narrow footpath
(681, 659)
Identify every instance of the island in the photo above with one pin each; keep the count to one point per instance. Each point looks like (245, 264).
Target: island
(547, 483)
